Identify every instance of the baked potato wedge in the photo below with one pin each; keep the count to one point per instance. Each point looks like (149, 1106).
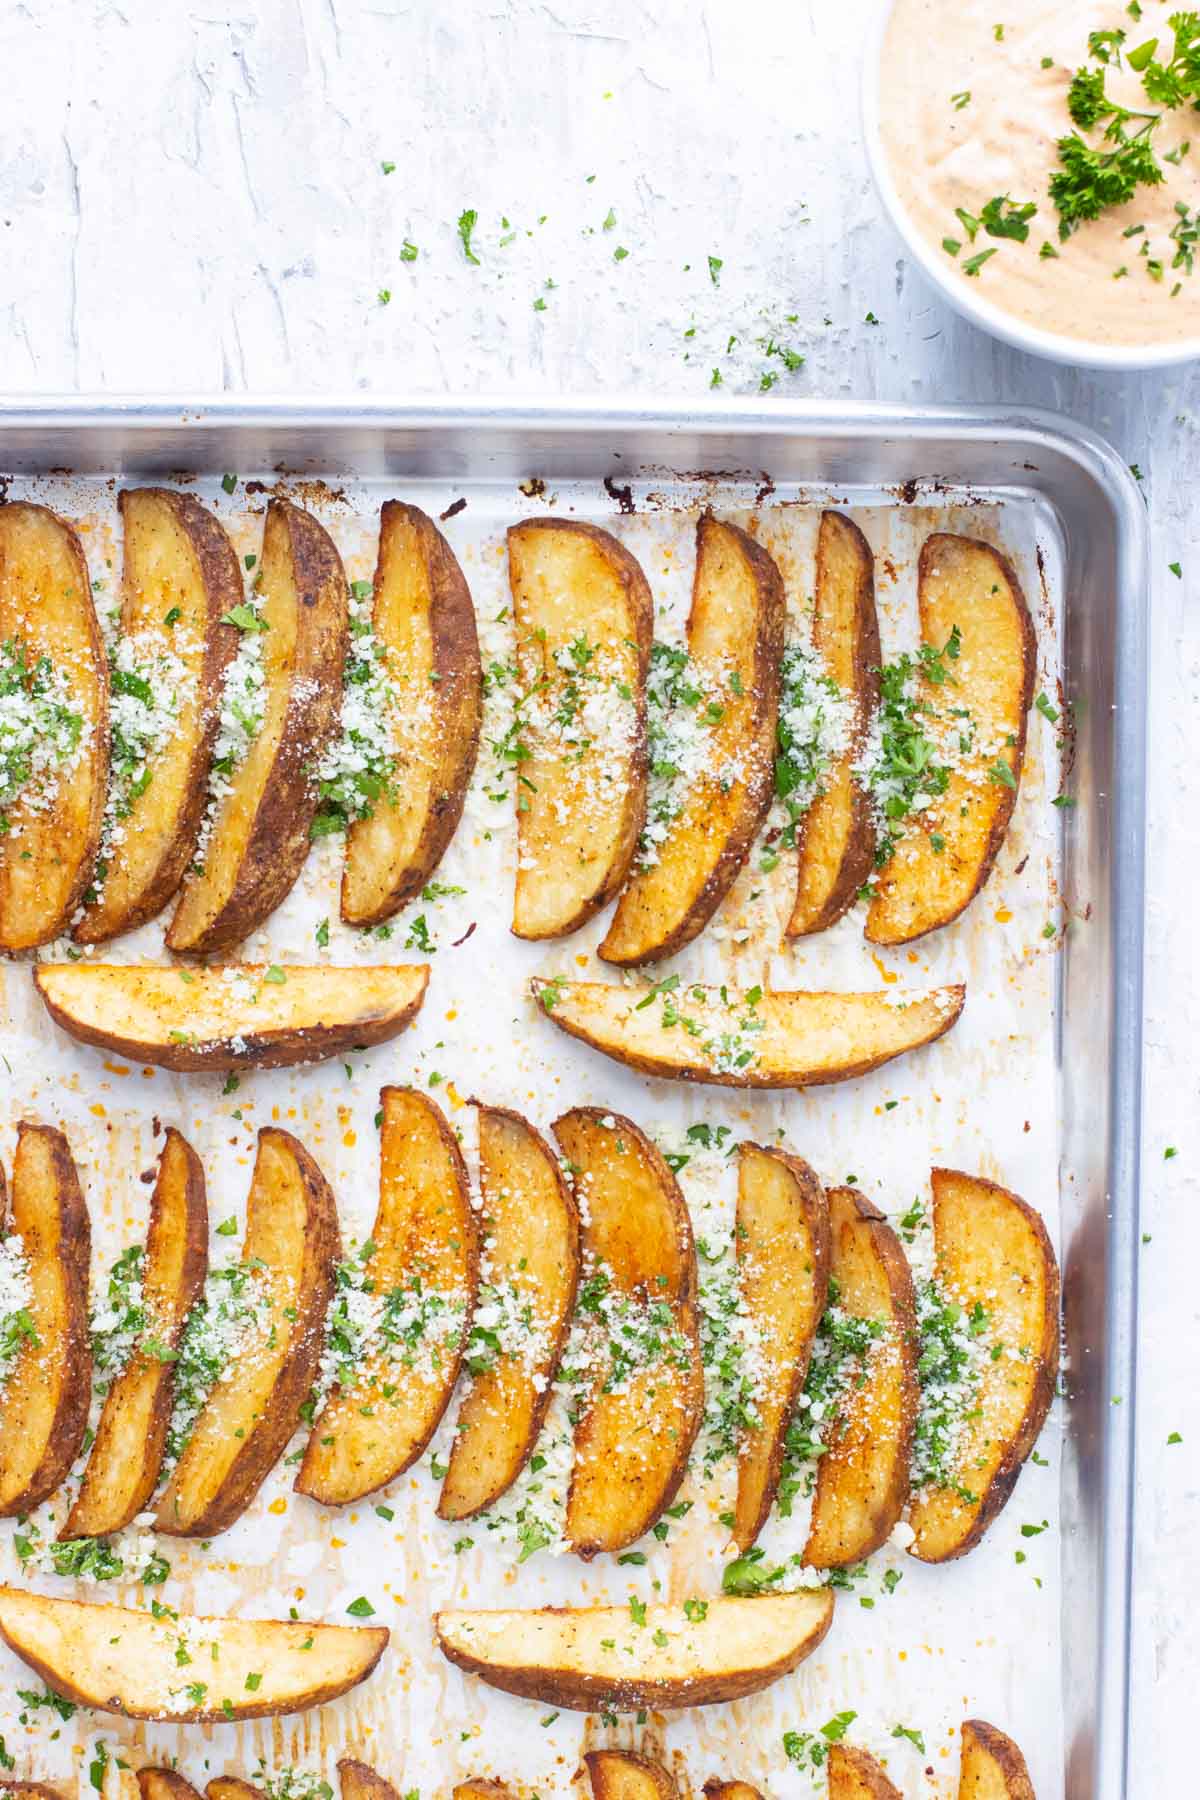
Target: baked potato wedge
(54, 677)
(357, 1781)
(747, 1038)
(594, 1657)
(122, 1469)
(424, 619)
(32, 1790)
(529, 1274)
(165, 1784)
(47, 1385)
(232, 1787)
(643, 1384)
(854, 1775)
(116, 1660)
(290, 1245)
(259, 832)
(836, 837)
(624, 1775)
(994, 1260)
(179, 566)
(230, 1015)
(476, 1788)
(969, 596)
(584, 621)
(424, 1270)
(862, 1479)
(782, 1242)
(715, 1789)
(735, 641)
(992, 1766)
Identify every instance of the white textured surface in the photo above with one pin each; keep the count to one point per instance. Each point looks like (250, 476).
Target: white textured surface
(191, 198)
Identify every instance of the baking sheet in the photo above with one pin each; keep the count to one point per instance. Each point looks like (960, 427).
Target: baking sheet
(980, 1637)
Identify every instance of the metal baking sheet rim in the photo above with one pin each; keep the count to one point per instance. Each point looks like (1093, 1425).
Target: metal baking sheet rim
(1102, 515)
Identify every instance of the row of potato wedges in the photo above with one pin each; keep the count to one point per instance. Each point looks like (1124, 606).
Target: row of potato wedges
(599, 1217)
(583, 617)
(992, 1768)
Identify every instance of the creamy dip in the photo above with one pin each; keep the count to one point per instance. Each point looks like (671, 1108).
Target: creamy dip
(966, 115)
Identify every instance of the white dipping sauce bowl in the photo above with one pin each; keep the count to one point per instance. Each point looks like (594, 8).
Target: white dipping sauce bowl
(1073, 352)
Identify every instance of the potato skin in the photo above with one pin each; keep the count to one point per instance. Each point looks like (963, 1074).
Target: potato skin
(358, 1781)
(221, 577)
(986, 1750)
(278, 839)
(624, 1775)
(457, 714)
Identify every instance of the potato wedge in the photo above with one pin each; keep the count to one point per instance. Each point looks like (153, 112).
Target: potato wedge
(476, 1788)
(747, 1039)
(260, 830)
(782, 1242)
(862, 1479)
(32, 1790)
(292, 1244)
(55, 675)
(735, 641)
(634, 1434)
(584, 620)
(425, 1271)
(181, 566)
(965, 586)
(122, 1470)
(592, 1657)
(231, 1015)
(357, 1781)
(116, 1660)
(624, 1775)
(854, 1775)
(424, 618)
(993, 1253)
(529, 1272)
(165, 1784)
(992, 1766)
(730, 1790)
(232, 1787)
(836, 838)
(47, 1391)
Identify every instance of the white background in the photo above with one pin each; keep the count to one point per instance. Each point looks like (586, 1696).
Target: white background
(191, 198)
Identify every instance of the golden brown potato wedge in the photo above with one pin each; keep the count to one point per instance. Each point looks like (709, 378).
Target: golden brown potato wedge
(782, 1241)
(165, 1784)
(584, 620)
(624, 1775)
(54, 659)
(47, 1393)
(853, 1775)
(291, 1244)
(836, 838)
(232, 1787)
(746, 1037)
(260, 830)
(230, 1015)
(425, 1269)
(425, 621)
(476, 1788)
(179, 566)
(992, 1253)
(735, 641)
(965, 586)
(32, 1790)
(862, 1479)
(992, 1766)
(122, 1470)
(730, 1790)
(117, 1660)
(529, 1273)
(634, 1434)
(593, 1657)
(358, 1781)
